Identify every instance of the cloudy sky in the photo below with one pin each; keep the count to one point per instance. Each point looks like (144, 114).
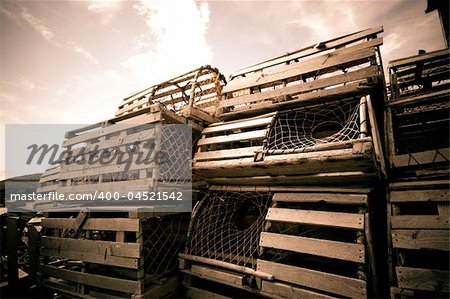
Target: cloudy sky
(73, 61)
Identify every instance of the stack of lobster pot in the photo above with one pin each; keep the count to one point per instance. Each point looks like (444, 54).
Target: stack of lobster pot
(293, 170)
(128, 251)
(417, 131)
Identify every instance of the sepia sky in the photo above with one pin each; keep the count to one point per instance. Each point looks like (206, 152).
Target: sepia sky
(73, 61)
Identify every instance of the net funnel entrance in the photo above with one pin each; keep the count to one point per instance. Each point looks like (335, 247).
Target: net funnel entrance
(310, 127)
(228, 225)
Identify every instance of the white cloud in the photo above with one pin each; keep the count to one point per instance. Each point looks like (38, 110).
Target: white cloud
(180, 40)
(106, 9)
(112, 75)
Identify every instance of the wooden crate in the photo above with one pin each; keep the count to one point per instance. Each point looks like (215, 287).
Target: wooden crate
(310, 235)
(418, 223)
(347, 66)
(121, 254)
(194, 94)
(276, 148)
(417, 126)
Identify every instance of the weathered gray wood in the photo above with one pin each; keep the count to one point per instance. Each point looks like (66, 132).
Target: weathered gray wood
(357, 75)
(255, 135)
(419, 222)
(421, 239)
(116, 284)
(340, 285)
(420, 195)
(132, 250)
(423, 279)
(327, 197)
(218, 275)
(196, 293)
(111, 224)
(419, 58)
(239, 125)
(230, 153)
(90, 257)
(335, 219)
(330, 249)
(288, 291)
(225, 265)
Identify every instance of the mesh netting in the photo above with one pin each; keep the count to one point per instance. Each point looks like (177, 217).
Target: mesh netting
(227, 226)
(164, 238)
(176, 144)
(309, 127)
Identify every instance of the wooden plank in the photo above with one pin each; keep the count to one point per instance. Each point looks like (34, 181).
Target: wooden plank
(423, 279)
(340, 59)
(11, 250)
(321, 96)
(109, 224)
(420, 195)
(330, 249)
(357, 75)
(132, 250)
(288, 291)
(218, 275)
(239, 125)
(316, 197)
(255, 135)
(230, 153)
(123, 187)
(420, 158)
(421, 239)
(110, 283)
(196, 293)
(308, 51)
(340, 285)
(335, 219)
(420, 222)
(89, 257)
(419, 58)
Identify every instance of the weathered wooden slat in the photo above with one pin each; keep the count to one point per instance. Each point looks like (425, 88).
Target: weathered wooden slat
(231, 153)
(312, 162)
(421, 239)
(121, 187)
(109, 224)
(239, 125)
(343, 58)
(420, 195)
(340, 285)
(423, 279)
(419, 58)
(420, 222)
(288, 291)
(327, 197)
(334, 219)
(255, 135)
(199, 293)
(412, 159)
(325, 248)
(349, 90)
(325, 46)
(110, 283)
(218, 275)
(132, 250)
(304, 87)
(90, 257)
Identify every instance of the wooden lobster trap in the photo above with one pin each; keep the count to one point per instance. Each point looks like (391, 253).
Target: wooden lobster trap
(346, 66)
(282, 242)
(418, 214)
(194, 94)
(126, 254)
(418, 114)
(334, 141)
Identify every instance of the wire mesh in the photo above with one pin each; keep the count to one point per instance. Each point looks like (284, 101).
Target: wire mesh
(309, 127)
(164, 238)
(228, 225)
